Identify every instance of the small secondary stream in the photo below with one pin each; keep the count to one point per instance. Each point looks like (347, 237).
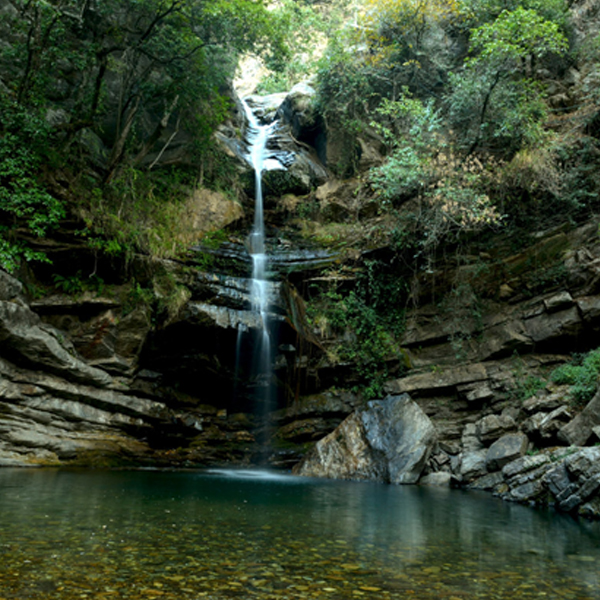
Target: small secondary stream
(139, 535)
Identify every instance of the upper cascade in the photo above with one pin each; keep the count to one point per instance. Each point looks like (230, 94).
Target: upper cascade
(290, 160)
(260, 157)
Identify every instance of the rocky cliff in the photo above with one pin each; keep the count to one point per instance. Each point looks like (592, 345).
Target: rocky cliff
(481, 375)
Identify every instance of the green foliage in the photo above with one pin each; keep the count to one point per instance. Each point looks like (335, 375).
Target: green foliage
(412, 130)
(581, 374)
(394, 46)
(367, 342)
(305, 29)
(77, 284)
(12, 251)
(379, 287)
(580, 177)
(407, 41)
(515, 35)
(24, 202)
(452, 190)
(478, 12)
(494, 97)
(131, 76)
(365, 323)
(168, 63)
(214, 239)
(138, 295)
(346, 95)
(466, 133)
(526, 384)
(495, 113)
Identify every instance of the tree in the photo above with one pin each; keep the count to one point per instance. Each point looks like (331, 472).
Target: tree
(494, 95)
(478, 12)
(129, 68)
(449, 193)
(411, 38)
(26, 207)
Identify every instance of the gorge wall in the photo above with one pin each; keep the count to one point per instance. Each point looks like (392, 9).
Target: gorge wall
(88, 379)
(140, 368)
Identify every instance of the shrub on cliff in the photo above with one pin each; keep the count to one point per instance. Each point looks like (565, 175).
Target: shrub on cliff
(582, 375)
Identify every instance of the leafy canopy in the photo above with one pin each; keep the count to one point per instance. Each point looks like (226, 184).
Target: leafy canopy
(515, 35)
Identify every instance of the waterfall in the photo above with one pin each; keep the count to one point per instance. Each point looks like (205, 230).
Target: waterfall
(261, 159)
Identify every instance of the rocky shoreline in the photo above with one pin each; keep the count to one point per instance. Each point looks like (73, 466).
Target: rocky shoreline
(394, 441)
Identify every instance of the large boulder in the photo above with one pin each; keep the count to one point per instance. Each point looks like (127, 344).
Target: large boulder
(344, 454)
(399, 429)
(389, 441)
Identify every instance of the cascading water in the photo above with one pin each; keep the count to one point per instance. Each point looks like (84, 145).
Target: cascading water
(261, 159)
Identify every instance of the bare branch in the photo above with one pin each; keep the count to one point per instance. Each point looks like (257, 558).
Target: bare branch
(158, 131)
(167, 144)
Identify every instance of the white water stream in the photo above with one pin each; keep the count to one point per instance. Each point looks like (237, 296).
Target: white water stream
(261, 159)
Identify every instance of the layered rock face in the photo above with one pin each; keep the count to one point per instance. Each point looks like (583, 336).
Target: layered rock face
(89, 378)
(54, 405)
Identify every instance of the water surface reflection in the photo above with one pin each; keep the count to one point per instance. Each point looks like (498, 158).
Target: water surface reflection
(231, 534)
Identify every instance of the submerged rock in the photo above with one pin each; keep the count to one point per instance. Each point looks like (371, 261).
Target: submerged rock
(437, 479)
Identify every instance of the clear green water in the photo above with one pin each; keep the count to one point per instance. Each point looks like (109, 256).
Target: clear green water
(189, 535)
